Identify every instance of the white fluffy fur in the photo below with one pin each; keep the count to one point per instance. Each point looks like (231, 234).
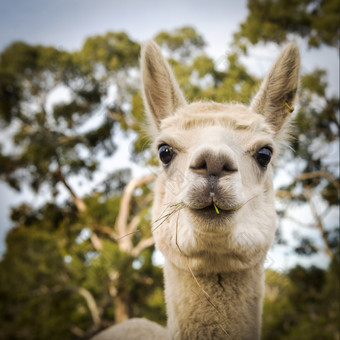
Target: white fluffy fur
(214, 262)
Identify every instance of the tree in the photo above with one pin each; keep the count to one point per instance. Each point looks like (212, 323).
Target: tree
(274, 21)
(53, 144)
(100, 239)
(302, 303)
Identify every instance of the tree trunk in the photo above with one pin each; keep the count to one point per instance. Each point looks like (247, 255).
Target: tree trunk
(123, 308)
(120, 292)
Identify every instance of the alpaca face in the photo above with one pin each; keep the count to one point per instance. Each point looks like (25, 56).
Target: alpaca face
(214, 165)
(220, 170)
(214, 205)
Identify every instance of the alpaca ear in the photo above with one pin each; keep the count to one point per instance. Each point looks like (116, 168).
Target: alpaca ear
(276, 96)
(162, 95)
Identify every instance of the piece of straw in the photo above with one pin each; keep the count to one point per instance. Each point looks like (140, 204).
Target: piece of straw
(216, 209)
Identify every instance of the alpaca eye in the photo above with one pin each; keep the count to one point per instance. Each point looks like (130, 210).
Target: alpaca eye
(165, 153)
(263, 156)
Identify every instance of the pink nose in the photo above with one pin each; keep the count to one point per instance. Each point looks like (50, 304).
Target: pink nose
(211, 162)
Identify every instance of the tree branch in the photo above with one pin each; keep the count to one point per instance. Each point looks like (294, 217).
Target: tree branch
(289, 194)
(148, 242)
(124, 240)
(105, 230)
(97, 244)
(320, 226)
(307, 196)
(321, 173)
(133, 225)
(308, 175)
(91, 303)
(79, 203)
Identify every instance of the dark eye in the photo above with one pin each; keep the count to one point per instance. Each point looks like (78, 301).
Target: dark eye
(263, 156)
(165, 153)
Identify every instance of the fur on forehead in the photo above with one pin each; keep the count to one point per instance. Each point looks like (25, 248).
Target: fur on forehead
(236, 117)
(200, 114)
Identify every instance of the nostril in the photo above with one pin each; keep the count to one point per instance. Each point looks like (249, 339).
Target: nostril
(229, 168)
(201, 165)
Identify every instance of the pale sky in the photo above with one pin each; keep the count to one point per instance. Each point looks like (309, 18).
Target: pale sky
(67, 23)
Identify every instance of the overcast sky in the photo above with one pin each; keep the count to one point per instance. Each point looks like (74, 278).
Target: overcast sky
(66, 24)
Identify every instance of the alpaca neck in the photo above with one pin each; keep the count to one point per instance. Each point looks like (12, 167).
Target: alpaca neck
(217, 306)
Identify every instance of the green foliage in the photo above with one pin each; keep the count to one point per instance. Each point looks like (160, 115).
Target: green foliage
(32, 288)
(50, 256)
(274, 20)
(203, 65)
(113, 51)
(184, 41)
(142, 143)
(303, 304)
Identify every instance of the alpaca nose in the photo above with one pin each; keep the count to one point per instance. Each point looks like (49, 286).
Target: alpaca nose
(210, 162)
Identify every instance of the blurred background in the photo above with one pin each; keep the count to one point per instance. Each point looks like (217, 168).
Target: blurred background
(76, 171)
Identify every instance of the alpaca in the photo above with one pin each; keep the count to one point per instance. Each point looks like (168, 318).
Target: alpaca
(213, 213)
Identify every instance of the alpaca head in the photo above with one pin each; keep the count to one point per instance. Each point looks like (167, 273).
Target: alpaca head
(214, 204)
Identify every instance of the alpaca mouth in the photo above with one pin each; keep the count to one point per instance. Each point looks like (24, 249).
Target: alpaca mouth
(213, 212)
